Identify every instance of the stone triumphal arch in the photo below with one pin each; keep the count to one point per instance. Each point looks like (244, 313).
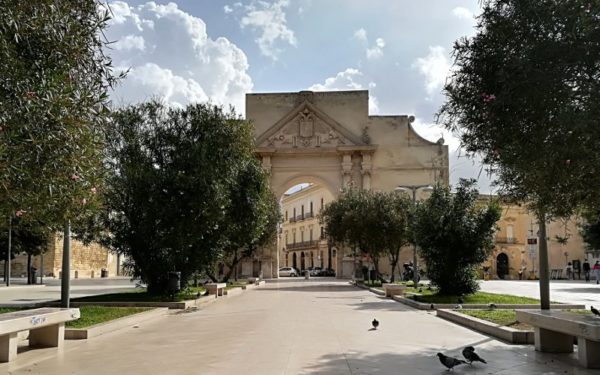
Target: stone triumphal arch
(329, 139)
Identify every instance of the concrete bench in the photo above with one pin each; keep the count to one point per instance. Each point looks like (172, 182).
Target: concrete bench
(555, 330)
(46, 328)
(394, 289)
(215, 288)
(253, 280)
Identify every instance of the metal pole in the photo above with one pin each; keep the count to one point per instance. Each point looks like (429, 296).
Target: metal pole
(8, 251)
(543, 268)
(66, 266)
(415, 273)
(42, 268)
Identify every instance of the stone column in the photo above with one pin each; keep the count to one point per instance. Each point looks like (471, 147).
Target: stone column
(366, 168)
(346, 169)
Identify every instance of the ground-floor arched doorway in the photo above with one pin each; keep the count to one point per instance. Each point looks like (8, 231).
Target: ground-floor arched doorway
(502, 265)
(302, 264)
(295, 261)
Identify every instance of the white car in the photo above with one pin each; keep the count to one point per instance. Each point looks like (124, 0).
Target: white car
(288, 271)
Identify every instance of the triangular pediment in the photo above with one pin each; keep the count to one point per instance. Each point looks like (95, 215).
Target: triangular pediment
(306, 126)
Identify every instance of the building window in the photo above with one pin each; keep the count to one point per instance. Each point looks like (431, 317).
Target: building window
(302, 236)
(286, 216)
(323, 232)
(311, 208)
(321, 203)
(294, 237)
(302, 211)
(310, 235)
(294, 212)
(510, 235)
(286, 239)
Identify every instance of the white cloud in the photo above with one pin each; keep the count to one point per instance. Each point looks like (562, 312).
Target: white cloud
(361, 34)
(349, 79)
(130, 42)
(435, 67)
(227, 9)
(377, 50)
(171, 56)
(269, 20)
(462, 13)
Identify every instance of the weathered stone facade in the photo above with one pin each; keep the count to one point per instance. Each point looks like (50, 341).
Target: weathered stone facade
(329, 139)
(87, 261)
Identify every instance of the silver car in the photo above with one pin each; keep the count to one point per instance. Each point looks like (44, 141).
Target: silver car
(288, 271)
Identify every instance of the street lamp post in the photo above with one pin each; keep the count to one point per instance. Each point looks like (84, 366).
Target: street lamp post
(413, 189)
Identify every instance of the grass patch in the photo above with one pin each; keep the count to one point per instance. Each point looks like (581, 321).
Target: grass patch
(141, 295)
(477, 298)
(499, 316)
(92, 315)
(579, 311)
(4, 310)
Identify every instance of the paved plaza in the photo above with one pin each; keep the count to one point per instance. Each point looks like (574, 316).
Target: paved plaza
(290, 327)
(20, 294)
(567, 291)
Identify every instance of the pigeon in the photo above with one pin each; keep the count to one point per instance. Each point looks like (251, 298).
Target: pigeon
(458, 307)
(450, 362)
(432, 307)
(595, 311)
(375, 323)
(492, 305)
(471, 356)
(420, 290)
(460, 301)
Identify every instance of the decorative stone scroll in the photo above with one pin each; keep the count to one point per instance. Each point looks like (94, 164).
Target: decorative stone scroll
(306, 130)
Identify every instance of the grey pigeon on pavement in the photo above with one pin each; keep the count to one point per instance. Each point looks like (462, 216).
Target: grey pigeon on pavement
(450, 362)
(375, 323)
(432, 307)
(471, 356)
(492, 306)
(595, 311)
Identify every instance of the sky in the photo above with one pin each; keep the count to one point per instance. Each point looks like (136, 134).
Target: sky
(211, 50)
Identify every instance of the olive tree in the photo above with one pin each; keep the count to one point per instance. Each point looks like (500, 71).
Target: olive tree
(523, 94)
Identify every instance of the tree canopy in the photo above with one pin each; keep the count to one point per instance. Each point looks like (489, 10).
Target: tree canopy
(523, 94)
(455, 234)
(53, 108)
(374, 223)
(178, 177)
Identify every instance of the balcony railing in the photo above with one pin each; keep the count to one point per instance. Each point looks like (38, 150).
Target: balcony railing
(308, 215)
(299, 217)
(506, 240)
(302, 245)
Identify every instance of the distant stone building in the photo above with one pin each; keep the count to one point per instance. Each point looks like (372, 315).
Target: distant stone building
(329, 139)
(512, 252)
(302, 239)
(86, 261)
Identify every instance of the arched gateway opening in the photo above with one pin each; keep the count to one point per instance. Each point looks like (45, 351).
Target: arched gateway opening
(324, 141)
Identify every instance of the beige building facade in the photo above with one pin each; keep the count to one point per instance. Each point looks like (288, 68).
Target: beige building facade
(329, 139)
(87, 261)
(302, 240)
(512, 252)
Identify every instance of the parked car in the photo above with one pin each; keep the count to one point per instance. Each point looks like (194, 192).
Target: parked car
(316, 271)
(288, 271)
(328, 272)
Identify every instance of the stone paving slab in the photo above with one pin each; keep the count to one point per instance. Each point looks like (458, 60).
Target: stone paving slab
(301, 327)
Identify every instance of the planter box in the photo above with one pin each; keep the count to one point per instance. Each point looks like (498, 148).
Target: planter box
(427, 306)
(171, 305)
(232, 292)
(511, 335)
(112, 325)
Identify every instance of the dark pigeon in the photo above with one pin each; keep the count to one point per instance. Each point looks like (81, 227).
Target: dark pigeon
(450, 362)
(595, 311)
(432, 307)
(471, 356)
(375, 323)
(492, 306)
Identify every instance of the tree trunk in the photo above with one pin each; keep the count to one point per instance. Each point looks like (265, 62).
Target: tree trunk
(394, 258)
(28, 269)
(231, 266)
(543, 260)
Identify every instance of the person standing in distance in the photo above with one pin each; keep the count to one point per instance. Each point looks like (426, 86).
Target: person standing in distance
(586, 270)
(597, 271)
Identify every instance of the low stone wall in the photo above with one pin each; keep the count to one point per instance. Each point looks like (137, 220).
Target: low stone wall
(113, 325)
(436, 306)
(511, 335)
